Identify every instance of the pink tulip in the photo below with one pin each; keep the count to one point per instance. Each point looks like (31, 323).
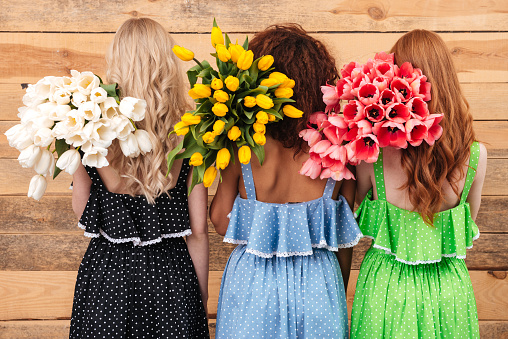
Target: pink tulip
(344, 174)
(418, 108)
(332, 134)
(358, 82)
(330, 97)
(385, 69)
(341, 128)
(374, 112)
(401, 89)
(336, 155)
(407, 72)
(317, 118)
(390, 133)
(320, 147)
(337, 121)
(344, 87)
(346, 70)
(353, 111)
(434, 129)
(368, 94)
(421, 88)
(365, 147)
(398, 113)
(383, 56)
(416, 132)
(386, 98)
(364, 127)
(311, 169)
(311, 136)
(352, 131)
(381, 83)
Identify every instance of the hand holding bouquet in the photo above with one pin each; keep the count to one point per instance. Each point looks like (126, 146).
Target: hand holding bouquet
(234, 105)
(386, 106)
(78, 111)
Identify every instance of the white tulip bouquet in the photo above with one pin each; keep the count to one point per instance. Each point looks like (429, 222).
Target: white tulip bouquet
(78, 111)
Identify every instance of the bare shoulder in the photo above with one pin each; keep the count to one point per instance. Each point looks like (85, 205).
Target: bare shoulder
(482, 161)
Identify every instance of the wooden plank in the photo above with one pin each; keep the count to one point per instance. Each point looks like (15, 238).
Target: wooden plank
(493, 133)
(493, 211)
(479, 57)
(495, 181)
(494, 329)
(486, 100)
(48, 295)
(189, 16)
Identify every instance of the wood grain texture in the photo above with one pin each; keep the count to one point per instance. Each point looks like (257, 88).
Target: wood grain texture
(479, 57)
(196, 16)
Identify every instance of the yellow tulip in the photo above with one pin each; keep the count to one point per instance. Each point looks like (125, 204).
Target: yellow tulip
(208, 137)
(232, 83)
(280, 77)
(245, 60)
(244, 154)
(219, 109)
(292, 111)
(283, 92)
(181, 128)
(223, 157)
(259, 127)
(263, 101)
(269, 82)
(217, 37)
(202, 91)
(218, 126)
(265, 62)
(271, 117)
(190, 119)
(196, 159)
(221, 96)
(193, 94)
(235, 51)
(249, 101)
(183, 53)
(209, 177)
(217, 84)
(223, 53)
(289, 83)
(262, 117)
(234, 133)
(259, 138)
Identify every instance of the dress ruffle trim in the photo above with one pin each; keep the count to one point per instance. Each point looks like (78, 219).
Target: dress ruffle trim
(285, 230)
(405, 235)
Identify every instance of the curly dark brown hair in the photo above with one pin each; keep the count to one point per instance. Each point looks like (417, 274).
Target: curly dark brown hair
(305, 60)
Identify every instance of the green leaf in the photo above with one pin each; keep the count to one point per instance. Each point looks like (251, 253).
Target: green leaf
(214, 23)
(229, 146)
(275, 112)
(247, 136)
(205, 107)
(194, 182)
(192, 76)
(204, 125)
(61, 146)
(253, 71)
(205, 72)
(190, 150)
(227, 41)
(282, 100)
(110, 89)
(172, 155)
(259, 151)
(230, 123)
(246, 43)
(56, 172)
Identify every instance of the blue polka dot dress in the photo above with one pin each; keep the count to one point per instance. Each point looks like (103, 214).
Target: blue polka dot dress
(413, 282)
(283, 279)
(137, 279)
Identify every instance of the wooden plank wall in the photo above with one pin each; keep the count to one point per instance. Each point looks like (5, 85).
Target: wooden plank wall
(40, 245)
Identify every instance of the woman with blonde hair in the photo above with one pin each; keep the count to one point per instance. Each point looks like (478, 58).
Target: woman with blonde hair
(139, 277)
(419, 208)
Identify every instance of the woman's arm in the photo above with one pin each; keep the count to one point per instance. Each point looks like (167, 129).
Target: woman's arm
(225, 197)
(81, 184)
(475, 194)
(197, 242)
(363, 181)
(345, 255)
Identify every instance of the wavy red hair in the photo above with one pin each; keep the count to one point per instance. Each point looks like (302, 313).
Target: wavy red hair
(427, 167)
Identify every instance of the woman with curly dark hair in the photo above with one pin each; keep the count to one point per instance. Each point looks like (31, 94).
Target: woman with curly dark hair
(283, 280)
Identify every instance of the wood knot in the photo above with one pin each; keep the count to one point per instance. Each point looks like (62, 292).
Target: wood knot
(134, 13)
(153, 0)
(376, 13)
(24, 86)
(498, 274)
(456, 50)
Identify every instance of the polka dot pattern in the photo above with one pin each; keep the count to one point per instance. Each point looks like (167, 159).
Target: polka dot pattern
(283, 281)
(413, 282)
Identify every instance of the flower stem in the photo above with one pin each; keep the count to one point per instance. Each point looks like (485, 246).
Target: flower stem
(133, 124)
(196, 60)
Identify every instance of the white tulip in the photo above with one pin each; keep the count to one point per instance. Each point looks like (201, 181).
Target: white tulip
(106, 133)
(60, 130)
(46, 163)
(129, 146)
(59, 113)
(74, 122)
(12, 132)
(28, 115)
(133, 108)
(86, 82)
(44, 88)
(69, 161)
(46, 108)
(95, 158)
(109, 108)
(123, 126)
(31, 99)
(143, 139)
(37, 187)
(78, 99)
(29, 156)
(69, 84)
(22, 139)
(98, 95)
(90, 111)
(43, 137)
(62, 96)
(75, 139)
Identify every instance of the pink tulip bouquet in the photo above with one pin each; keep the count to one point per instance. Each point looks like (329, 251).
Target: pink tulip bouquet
(385, 106)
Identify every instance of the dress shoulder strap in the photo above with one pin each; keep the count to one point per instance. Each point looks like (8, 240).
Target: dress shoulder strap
(248, 181)
(330, 186)
(379, 176)
(471, 171)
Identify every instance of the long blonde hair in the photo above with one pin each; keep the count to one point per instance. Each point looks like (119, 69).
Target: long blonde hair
(140, 60)
(427, 167)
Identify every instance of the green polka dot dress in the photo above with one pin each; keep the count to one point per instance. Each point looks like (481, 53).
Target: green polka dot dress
(413, 282)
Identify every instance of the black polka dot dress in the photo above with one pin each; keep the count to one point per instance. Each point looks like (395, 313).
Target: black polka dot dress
(137, 279)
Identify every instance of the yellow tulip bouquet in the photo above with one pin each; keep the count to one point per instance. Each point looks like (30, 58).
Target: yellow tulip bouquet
(234, 104)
